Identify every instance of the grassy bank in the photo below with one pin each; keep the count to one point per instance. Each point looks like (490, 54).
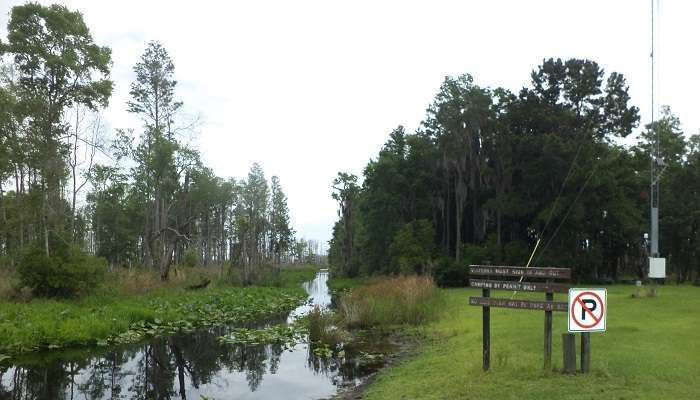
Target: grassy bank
(338, 285)
(650, 351)
(134, 307)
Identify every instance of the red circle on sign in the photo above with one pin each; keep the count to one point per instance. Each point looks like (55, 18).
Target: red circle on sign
(597, 320)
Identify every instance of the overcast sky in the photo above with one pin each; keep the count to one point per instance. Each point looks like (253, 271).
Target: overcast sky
(310, 88)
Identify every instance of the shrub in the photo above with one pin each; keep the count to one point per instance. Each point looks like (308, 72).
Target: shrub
(478, 254)
(70, 274)
(449, 273)
(412, 247)
(391, 301)
(191, 258)
(516, 253)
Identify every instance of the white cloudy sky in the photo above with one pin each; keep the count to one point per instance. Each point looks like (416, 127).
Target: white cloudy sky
(310, 88)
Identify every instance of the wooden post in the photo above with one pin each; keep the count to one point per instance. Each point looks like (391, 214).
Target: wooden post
(549, 296)
(585, 352)
(568, 341)
(487, 331)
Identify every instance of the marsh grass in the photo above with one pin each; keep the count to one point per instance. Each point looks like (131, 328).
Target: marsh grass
(138, 281)
(122, 281)
(270, 276)
(324, 327)
(340, 285)
(399, 300)
(7, 284)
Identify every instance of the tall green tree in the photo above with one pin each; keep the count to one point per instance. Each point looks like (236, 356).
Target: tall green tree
(281, 233)
(252, 222)
(58, 65)
(7, 139)
(457, 120)
(153, 92)
(114, 216)
(345, 192)
(164, 165)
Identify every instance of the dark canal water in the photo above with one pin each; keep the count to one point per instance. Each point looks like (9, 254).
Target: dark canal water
(191, 366)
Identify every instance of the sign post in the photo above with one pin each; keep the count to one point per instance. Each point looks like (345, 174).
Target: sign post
(568, 341)
(548, 305)
(549, 296)
(587, 313)
(486, 334)
(585, 352)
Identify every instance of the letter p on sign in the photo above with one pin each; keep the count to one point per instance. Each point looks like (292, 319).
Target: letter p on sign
(587, 310)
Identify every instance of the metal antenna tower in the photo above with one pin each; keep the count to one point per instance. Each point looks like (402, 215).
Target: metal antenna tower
(657, 265)
(654, 245)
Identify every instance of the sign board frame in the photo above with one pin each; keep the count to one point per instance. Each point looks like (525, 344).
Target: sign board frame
(521, 304)
(494, 273)
(527, 272)
(598, 295)
(520, 286)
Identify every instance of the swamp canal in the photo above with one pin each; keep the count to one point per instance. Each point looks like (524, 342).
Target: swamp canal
(195, 366)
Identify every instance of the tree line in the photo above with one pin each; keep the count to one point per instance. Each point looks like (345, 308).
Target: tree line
(149, 199)
(491, 175)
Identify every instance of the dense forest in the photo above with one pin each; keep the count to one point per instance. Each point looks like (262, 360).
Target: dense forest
(139, 198)
(491, 175)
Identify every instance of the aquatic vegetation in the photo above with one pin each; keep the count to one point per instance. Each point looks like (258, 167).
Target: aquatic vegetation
(216, 310)
(326, 334)
(323, 350)
(286, 335)
(365, 358)
(324, 326)
(108, 320)
(318, 328)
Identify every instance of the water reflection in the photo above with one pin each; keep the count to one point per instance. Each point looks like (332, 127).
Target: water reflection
(184, 367)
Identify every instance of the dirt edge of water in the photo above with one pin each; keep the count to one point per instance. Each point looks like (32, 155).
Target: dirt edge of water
(407, 346)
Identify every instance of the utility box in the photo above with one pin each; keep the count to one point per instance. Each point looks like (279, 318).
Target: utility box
(657, 267)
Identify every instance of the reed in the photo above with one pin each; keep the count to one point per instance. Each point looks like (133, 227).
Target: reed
(390, 301)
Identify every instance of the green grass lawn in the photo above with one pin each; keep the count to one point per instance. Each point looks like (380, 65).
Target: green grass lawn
(109, 316)
(651, 350)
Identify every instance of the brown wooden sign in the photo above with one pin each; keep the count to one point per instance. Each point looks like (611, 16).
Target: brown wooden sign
(548, 305)
(532, 272)
(520, 286)
(524, 304)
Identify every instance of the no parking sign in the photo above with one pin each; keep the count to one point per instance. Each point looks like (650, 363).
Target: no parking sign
(587, 310)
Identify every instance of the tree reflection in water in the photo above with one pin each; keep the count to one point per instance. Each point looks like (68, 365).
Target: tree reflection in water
(161, 369)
